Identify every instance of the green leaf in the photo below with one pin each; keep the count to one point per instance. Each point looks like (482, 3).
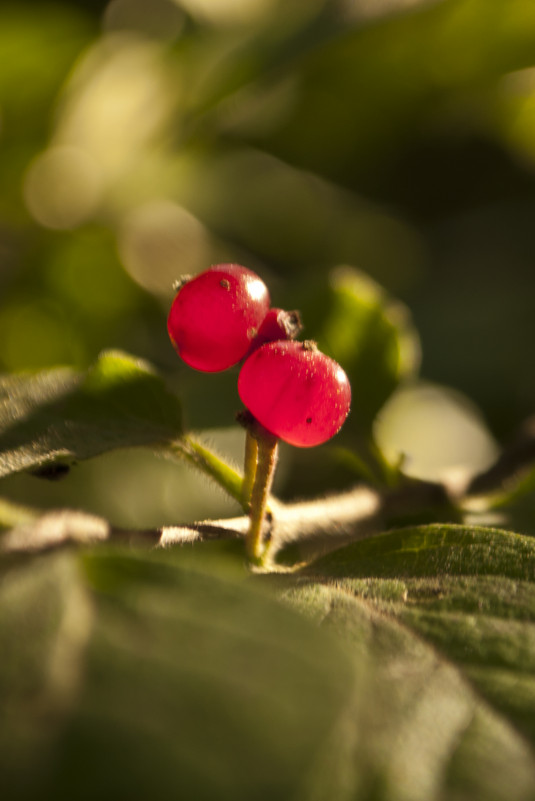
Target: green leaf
(64, 415)
(159, 676)
(45, 621)
(444, 619)
(371, 336)
(199, 455)
(434, 550)
(173, 674)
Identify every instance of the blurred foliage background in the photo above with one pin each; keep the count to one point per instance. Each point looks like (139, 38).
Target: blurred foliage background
(144, 140)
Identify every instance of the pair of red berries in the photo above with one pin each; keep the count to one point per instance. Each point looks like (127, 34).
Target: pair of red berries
(296, 392)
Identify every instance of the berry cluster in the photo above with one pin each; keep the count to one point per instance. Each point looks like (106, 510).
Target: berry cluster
(223, 316)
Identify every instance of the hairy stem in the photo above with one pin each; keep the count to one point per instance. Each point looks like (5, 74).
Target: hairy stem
(210, 464)
(316, 526)
(268, 448)
(249, 468)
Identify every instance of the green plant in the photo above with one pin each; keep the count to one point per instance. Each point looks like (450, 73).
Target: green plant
(384, 651)
(370, 658)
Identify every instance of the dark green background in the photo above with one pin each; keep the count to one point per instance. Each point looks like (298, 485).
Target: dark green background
(292, 137)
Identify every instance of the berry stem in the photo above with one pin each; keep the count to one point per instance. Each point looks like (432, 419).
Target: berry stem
(267, 448)
(249, 468)
(210, 464)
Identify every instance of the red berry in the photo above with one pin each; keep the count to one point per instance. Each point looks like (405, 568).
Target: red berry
(277, 324)
(216, 315)
(295, 391)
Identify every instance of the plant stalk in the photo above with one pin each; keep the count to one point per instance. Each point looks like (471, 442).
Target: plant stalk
(268, 449)
(249, 468)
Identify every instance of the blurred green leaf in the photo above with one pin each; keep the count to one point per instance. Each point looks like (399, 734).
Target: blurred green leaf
(45, 620)
(64, 415)
(38, 44)
(14, 514)
(184, 681)
(295, 218)
(356, 322)
(278, 39)
(370, 335)
(382, 87)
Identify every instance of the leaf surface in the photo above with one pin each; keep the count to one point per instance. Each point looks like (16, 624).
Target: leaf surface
(186, 682)
(444, 617)
(63, 415)
(175, 674)
(369, 333)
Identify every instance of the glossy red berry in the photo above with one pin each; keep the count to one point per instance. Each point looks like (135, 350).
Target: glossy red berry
(277, 324)
(295, 391)
(216, 315)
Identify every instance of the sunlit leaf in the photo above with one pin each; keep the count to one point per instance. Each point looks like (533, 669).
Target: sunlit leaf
(65, 415)
(371, 336)
(434, 550)
(438, 611)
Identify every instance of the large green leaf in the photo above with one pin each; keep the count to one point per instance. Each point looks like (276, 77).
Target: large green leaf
(369, 333)
(444, 617)
(434, 550)
(151, 676)
(397, 76)
(173, 675)
(65, 415)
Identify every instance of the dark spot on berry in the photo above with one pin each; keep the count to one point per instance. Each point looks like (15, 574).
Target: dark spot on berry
(308, 420)
(224, 283)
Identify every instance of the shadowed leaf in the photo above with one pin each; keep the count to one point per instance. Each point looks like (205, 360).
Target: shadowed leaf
(63, 415)
(372, 337)
(189, 683)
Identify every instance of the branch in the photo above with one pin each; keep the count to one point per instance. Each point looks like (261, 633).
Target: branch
(340, 517)
(317, 525)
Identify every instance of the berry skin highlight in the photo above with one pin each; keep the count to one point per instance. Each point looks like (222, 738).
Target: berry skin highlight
(296, 392)
(216, 315)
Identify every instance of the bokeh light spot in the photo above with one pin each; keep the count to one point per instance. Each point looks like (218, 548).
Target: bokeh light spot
(117, 103)
(161, 19)
(62, 187)
(437, 431)
(228, 12)
(159, 242)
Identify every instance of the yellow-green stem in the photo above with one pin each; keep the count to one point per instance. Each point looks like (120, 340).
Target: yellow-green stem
(268, 447)
(249, 468)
